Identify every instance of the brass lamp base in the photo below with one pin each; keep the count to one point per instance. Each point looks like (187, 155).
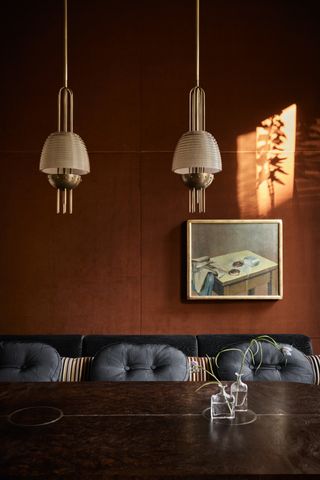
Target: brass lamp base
(64, 182)
(197, 180)
(197, 184)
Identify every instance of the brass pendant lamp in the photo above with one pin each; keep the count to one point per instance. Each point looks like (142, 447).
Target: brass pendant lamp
(64, 156)
(197, 156)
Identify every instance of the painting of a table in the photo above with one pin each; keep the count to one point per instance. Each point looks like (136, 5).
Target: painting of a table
(219, 265)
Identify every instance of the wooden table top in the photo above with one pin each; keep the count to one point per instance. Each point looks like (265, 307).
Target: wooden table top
(225, 262)
(157, 430)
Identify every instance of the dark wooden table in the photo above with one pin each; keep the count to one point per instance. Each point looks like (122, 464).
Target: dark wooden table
(156, 430)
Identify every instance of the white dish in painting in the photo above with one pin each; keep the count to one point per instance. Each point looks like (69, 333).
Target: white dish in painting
(251, 261)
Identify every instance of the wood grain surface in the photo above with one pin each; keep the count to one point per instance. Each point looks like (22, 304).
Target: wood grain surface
(157, 430)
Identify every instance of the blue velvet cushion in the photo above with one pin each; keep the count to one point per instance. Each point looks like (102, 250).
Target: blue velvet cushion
(211, 344)
(285, 364)
(67, 345)
(92, 344)
(131, 362)
(28, 362)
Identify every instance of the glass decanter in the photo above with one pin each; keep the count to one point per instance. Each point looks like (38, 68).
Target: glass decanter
(222, 404)
(240, 392)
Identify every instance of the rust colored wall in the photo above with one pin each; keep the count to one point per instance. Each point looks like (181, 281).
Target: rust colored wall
(116, 264)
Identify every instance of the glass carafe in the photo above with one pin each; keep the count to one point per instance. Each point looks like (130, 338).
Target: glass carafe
(222, 404)
(240, 392)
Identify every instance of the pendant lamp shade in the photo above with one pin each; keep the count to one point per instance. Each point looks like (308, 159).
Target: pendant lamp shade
(197, 156)
(196, 149)
(64, 150)
(64, 157)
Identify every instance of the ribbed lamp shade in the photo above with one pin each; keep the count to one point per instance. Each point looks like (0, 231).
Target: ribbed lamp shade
(197, 149)
(64, 150)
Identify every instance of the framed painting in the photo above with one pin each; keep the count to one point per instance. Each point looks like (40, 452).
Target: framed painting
(234, 259)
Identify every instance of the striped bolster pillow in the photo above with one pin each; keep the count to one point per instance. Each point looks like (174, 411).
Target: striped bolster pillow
(198, 367)
(75, 369)
(315, 362)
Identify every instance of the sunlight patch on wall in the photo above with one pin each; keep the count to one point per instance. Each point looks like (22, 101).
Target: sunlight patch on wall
(275, 154)
(265, 164)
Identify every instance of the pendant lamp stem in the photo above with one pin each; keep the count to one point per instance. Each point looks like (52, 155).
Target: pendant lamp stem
(66, 43)
(65, 91)
(197, 43)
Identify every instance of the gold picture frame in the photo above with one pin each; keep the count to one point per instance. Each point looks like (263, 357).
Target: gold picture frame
(234, 260)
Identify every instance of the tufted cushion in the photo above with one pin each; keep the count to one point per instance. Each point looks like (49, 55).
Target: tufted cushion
(92, 344)
(28, 362)
(287, 364)
(130, 362)
(211, 344)
(78, 369)
(66, 345)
